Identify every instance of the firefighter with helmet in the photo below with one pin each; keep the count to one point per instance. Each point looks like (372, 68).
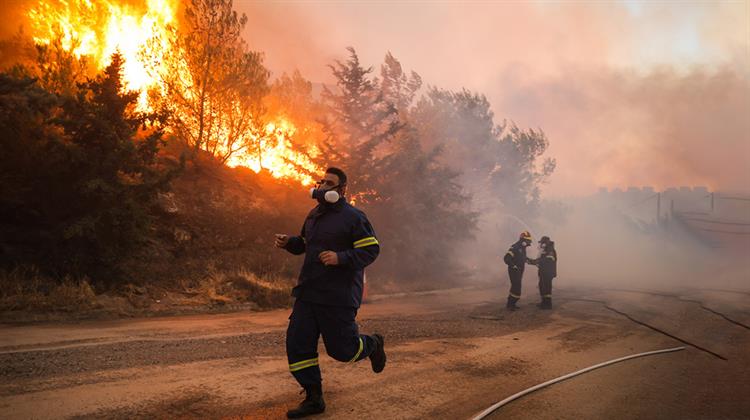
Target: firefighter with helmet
(515, 258)
(547, 265)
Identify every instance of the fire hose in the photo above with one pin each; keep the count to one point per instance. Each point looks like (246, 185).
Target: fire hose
(495, 406)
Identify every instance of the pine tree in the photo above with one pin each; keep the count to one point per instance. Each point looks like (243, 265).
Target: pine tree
(425, 199)
(505, 171)
(360, 123)
(33, 150)
(413, 200)
(398, 88)
(214, 85)
(87, 173)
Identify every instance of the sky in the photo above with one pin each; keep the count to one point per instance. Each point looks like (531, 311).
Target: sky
(629, 93)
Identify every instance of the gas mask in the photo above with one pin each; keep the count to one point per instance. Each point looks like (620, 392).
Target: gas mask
(325, 192)
(324, 196)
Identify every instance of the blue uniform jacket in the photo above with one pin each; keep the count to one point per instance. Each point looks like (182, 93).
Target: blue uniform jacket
(547, 263)
(516, 256)
(345, 230)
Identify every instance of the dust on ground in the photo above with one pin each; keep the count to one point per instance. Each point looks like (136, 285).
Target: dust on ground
(450, 355)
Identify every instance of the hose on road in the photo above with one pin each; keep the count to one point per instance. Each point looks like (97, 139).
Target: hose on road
(494, 407)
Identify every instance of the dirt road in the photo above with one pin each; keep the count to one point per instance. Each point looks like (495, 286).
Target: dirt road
(451, 354)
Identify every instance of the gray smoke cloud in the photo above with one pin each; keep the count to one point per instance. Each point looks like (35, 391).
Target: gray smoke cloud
(628, 93)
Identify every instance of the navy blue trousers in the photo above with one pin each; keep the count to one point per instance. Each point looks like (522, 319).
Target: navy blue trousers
(515, 285)
(341, 337)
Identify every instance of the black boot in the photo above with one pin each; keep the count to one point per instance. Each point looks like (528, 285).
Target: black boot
(546, 303)
(313, 403)
(511, 305)
(377, 357)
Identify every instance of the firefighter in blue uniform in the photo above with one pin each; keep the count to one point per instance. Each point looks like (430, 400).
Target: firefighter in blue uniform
(515, 258)
(338, 242)
(547, 265)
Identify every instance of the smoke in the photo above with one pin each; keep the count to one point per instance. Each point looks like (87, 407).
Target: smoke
(606, 242)
(662, 129)
(13, 14)
(628, 93)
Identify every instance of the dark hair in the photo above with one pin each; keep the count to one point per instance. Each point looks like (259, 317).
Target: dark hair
(339, 173)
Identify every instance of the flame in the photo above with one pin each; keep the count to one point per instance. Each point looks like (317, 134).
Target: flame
(96, 29)
(366, 196)
(275, 154)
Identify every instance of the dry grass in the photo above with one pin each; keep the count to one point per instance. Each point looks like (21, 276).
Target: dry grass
(25, 294)
(26, 289)
(242, 286)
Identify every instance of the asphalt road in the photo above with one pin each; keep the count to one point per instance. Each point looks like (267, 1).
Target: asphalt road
(450, 355)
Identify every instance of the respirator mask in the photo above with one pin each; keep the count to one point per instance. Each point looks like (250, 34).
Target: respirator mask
(324, 196)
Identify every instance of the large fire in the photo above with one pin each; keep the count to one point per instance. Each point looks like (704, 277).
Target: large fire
(274, 155)
(96, 29)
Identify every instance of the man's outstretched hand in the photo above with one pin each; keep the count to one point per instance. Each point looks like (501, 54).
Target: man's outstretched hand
(281, 240)
(329, 258)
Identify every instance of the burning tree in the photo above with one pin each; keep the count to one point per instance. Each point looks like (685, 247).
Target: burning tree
(213, 86)
(96, 29)
(194, 67)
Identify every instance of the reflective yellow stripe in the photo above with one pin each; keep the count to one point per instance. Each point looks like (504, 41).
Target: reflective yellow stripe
(511, 254)
(310, 364)
(303, 367)
(515, 296)
(369, 238)
(547, 296)
(552, 257)
(369, 241)
(304, 364)
(361, 345)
